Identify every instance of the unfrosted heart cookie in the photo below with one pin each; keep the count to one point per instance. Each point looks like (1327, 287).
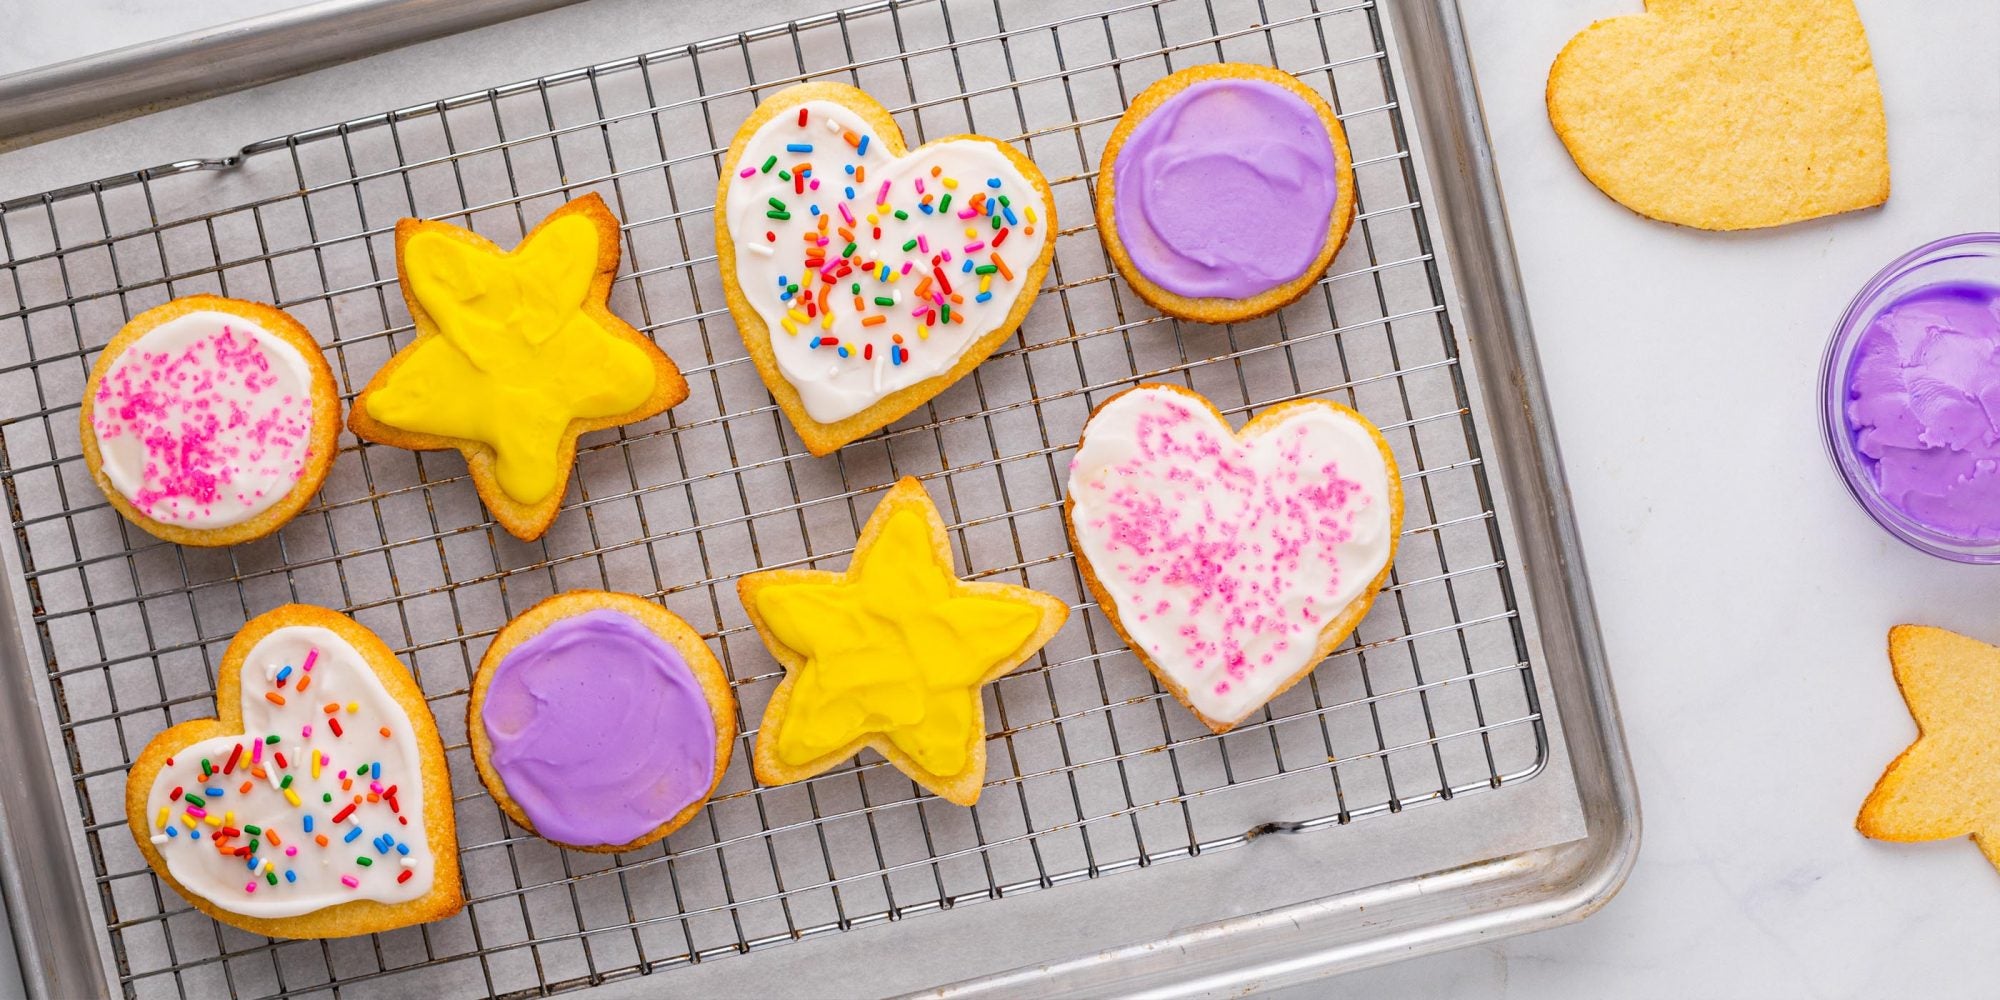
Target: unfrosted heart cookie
(1726, 114)
(317, 804)
(1232, 563)
(864, 277)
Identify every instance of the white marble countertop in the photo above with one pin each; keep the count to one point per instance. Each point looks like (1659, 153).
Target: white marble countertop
(1744, 597)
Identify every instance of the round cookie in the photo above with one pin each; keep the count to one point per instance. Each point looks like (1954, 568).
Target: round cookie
(865, 277)
(1231, 563)
(1225, 191)
(316, 804)
(600, 721)
(210, 421)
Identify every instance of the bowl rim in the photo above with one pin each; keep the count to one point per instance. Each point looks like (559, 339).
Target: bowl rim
(1847, 331)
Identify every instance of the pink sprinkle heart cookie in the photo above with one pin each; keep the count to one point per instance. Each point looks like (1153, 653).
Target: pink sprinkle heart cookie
(1232, 563)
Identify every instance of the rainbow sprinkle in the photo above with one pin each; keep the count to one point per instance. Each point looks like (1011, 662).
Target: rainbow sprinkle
(856, 241)
(257, 843)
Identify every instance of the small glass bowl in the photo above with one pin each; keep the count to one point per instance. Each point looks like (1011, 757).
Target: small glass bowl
(1968, 257)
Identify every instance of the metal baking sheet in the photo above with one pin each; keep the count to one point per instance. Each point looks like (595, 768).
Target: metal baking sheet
(1454, 771)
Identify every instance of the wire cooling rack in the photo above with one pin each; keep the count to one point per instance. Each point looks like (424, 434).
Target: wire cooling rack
(1093, 771)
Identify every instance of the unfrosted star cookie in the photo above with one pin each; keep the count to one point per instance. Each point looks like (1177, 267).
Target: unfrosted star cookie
(210, 421)
(866, 278)
(1225, 191)
(600, 721)
(517, 353)
(890, 654)
(1947, 782)
(1231, 563)
(317, 803)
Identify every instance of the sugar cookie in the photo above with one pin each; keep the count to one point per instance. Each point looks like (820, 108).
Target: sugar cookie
(517, 353)
(1225, 192)
(600, 721)
(210, 421)
(317, 803)
(867, 278)
(1231, 563)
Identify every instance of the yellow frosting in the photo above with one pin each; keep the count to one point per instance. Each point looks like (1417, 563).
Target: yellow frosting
(518, 356)
(892, 647)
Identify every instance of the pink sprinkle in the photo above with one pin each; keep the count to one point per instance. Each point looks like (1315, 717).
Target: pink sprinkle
(250, 886)
(815, 184)
(291, 852)
(882, 198)
(312, 657)
(747, 172)
(257, 752)
(906, 266)
(967, 214)
(845, 214)
(923, 242)
(305, 732)
(350, 881)
(197, 812)
(972, 248)
(920, 185)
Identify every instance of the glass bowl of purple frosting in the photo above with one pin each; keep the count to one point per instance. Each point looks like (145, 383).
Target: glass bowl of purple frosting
(1911, 390)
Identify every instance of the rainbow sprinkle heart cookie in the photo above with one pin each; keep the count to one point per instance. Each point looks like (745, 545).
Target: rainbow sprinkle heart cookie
(1232, 563)
(867, 278)
(317, 804)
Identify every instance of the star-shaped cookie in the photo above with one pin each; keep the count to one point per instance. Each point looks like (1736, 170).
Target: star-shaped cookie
(1947, 783)
(890, 654)
(517, 353)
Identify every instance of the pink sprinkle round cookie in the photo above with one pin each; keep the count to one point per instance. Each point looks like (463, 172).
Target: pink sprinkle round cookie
(204, 419)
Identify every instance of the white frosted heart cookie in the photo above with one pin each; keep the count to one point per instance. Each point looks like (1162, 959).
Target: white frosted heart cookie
(865, 277)
(1232, 563)
(317, 805)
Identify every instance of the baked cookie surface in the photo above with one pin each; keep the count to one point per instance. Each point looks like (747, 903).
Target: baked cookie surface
(210, 421)
(517, 354)
(1947, 782)
(890, 654)
(600, 721)
(1726, 114)
(317, 803)
(1231, 563)
(865, 277)
(1225, 191)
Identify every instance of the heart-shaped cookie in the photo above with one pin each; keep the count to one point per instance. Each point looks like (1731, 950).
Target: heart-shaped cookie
(865, 277)
(317, 805)
(1726, 114)
(1232, 563)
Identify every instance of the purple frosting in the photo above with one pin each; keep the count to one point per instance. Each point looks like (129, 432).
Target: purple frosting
(599, 730)
(1226, 190)
(1924, 407)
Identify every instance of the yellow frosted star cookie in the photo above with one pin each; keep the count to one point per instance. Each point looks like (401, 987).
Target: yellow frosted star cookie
(890, 654)
(1947, 783)
(1726, 114)
(517, 353)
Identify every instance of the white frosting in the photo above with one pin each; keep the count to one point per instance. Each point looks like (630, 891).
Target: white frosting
(339, 676)
(830, 386)
(1225, 558)
(197, 428)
